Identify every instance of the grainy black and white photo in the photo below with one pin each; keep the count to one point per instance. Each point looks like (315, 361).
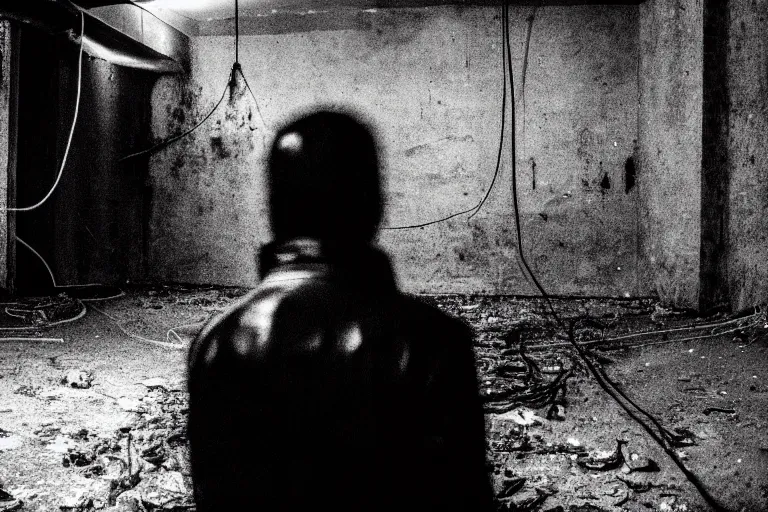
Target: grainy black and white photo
(384, 255)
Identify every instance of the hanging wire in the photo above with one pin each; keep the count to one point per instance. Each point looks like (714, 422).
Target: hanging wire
(71, 129)
(602, 380)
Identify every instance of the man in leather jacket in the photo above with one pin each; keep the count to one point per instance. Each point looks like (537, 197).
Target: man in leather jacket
(326, 387)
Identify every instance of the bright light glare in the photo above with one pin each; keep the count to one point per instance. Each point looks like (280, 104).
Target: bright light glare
(183, 5)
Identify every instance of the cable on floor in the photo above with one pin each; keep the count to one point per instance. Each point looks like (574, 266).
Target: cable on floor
(615, 394)
(163, 344)
(75, 318)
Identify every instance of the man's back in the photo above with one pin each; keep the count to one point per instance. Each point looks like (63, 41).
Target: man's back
(327, 387)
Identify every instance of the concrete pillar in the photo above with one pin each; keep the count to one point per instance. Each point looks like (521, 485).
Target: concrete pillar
(670, 146)
(8, 85)
(703, 151)
(715, 161)
(747, 223)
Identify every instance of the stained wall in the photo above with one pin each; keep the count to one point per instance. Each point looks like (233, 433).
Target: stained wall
(430, 80)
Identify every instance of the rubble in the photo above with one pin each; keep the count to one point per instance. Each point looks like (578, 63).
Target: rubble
(546, 419)
(78, 379)
(604, 461)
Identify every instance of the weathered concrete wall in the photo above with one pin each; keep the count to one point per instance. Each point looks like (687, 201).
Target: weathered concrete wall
(5, 134)
(430, 79)
(670, 146)
(748, 153)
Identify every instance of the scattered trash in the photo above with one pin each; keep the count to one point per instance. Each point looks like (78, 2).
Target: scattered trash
(604, 461)
(556, 412)
(77, 458)
(511, 486)
(522, 416)
(680, 437)
(528, 503)
(156, 382)
(9, 441)
(51, 394)
(30, 391)
(672, 506)
(77, 501)
(172, 481)
(8, 503)
(637, 486)
(624, 497)
(155, 454)
(129, 404)
(80, 379)
(62, 445)
(48, 431)
(710, 410)
(642, 465)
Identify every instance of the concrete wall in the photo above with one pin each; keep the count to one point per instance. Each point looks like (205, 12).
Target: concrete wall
(430, 80)
(670, 146)
(5, 139)
(748, 153)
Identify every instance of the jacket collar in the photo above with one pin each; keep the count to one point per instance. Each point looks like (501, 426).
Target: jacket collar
(363, 264)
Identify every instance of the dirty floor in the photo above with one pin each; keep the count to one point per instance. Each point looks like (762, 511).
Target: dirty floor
(93, 410)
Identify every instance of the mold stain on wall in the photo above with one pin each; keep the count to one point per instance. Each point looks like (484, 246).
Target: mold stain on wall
(429, 79)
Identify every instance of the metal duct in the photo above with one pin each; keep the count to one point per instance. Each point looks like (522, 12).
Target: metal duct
(118, 42)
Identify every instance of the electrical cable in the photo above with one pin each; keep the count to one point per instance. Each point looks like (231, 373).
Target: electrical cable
(607, 341)
(256, 101)
(48, 268)
(67, 286)
(236, 68)
(81, 314)
(71, 130)
(167, 142)
(164, 344)
(583, 355)
(476, 208)
(23, 339)
(525, 67)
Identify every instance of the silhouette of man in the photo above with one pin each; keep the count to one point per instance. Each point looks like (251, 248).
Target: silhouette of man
(326, 388)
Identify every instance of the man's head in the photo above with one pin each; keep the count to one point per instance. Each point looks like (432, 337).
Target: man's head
(324, 180)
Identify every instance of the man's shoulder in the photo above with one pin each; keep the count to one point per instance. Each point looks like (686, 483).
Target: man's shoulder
(242, 315)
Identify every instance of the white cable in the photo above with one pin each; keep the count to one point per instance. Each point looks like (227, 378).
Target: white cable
(164, 344)
(71, 131)
(23, 339)
(50, 272)
(80, 315)
(65, 286)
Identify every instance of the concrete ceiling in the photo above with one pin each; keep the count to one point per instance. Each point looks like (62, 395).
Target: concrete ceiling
(211, 10)
(206, 10)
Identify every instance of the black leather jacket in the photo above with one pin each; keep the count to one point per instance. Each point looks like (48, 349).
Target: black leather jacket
(326, 388)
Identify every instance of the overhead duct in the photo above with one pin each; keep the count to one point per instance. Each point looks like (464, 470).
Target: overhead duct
(122, 34)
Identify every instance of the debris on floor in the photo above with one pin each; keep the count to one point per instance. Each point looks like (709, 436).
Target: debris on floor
(78, 379)
(99, 423)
